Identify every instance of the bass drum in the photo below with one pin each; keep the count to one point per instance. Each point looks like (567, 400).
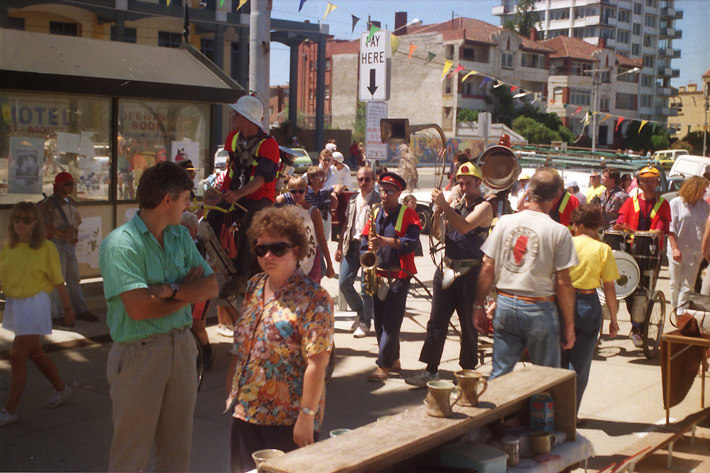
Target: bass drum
(307, 262)
(629, 274)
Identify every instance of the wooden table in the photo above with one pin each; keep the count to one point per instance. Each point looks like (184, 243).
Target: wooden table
(383, 444)
(673, 346)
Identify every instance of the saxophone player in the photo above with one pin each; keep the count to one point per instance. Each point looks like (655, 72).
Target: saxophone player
(394, 240)
(468, 222)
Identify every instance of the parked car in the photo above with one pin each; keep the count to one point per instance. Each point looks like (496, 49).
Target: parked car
(220, 158)
(688, 165)
(302, 160)
(667, 157)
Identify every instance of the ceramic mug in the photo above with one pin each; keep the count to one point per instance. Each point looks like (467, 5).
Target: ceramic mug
(439, 398)
(541, 442)
(470, 381)
(261, 456)
(511, 445)
(336, 432)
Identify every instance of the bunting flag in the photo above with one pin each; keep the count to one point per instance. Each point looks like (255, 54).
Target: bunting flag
(484, 81)
(472, 73)
(373, 29)
(354, 19)
(497, 84)
(458, 68)
(579, 109)
(521, 94)
(412, 47)
(429, 57)
(447, 66)
(6, 112)
(241, 4)
(643, 122)
(221, 3)
(553, 101)
(167, 2)
(586, 118)
(301, 5)
(607, 116)
(513, 88)
(618, 122)
(394, 43)
(328, 9)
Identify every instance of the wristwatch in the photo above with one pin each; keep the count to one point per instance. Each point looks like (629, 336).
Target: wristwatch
(308, 411)
(174, 287)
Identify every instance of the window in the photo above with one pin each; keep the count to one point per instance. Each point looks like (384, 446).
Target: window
(602, 134)
(650, 21)
(56, 132)
(207, 47)
(635, 49)
(578, 33)
(637, 8)
(625, 101)
(14, 23)
(66, 29)
(622, 52)
(472, 87)
(447, 118)
(606, 33)
(129, 35)
(327, 92)
(468, 54)
(234, 66)
(169, 39)
(448, 86)
(449, 51)
(624, 16)
(626, 76)
(648, 60)
(605, 76)
(559, 14)
(645, 100)
(590, 32)
(606, 14)
(506, 60)
(648, 41)
(651, 3)
(580, 97)
(532, 60)
(604, 104)
(622, 36)
(327, 64)
(637, 28)
(580, 68)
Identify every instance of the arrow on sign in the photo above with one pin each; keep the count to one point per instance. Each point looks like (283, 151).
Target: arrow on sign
(372, 87)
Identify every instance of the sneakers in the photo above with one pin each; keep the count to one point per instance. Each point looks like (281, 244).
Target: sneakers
(361, 331)
(636, 338)
(420, 379)
(355, 325)
(58, 397)
(88, 316)
(6, 418)
(225, 331)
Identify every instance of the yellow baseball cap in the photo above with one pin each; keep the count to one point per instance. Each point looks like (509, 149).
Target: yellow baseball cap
(649, 171)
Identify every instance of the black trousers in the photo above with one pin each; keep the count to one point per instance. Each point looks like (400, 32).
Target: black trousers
(459, 296)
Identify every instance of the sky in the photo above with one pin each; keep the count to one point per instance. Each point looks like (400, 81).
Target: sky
(694, 46)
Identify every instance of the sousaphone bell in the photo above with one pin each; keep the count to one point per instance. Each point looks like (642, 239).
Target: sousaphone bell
(499, 167)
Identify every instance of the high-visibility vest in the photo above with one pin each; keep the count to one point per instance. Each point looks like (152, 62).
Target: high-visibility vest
(635, 218)
(400, 219)
(255, 153)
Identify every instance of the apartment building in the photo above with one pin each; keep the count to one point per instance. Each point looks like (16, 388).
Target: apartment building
(638, 29)
(691, 103)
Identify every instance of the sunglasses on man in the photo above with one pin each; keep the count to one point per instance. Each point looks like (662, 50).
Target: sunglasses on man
(277, 249)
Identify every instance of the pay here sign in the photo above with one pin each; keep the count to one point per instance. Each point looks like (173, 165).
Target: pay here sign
(374, 83)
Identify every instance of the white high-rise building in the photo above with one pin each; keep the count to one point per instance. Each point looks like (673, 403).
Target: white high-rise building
(643, 29)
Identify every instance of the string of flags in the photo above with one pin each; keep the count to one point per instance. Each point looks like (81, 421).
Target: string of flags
(448, 71)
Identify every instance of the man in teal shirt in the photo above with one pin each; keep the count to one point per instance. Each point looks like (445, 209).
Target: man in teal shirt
(152, 273)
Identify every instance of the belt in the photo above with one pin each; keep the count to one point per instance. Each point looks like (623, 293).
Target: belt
(586, 291)
(459, 264)
(391, 274)
(528, 298)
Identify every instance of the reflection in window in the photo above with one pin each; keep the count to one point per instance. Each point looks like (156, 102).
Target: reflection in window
(44, 134)
(150, 132)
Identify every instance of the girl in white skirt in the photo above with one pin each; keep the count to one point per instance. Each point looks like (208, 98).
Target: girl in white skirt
(29, 271)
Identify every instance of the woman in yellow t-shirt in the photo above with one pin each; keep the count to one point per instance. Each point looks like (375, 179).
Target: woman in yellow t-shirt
(29, 271)
(596, 267)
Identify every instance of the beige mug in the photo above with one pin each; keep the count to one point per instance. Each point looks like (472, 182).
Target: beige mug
(439, 398)
(470, 381)
(261, 456)
(542, 442)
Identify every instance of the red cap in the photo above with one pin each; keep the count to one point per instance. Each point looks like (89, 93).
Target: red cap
(504, 140)
(63, 177)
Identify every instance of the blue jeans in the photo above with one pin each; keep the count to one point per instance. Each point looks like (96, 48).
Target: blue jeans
(349, 267)
(517, 325)
(70, 271)
(388, 321)
(587, 323)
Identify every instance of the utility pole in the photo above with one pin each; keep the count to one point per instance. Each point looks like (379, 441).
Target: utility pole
(705, 128)
(595, 99)
(259, 53)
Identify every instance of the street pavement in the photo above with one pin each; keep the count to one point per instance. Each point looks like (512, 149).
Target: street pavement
(622, 402)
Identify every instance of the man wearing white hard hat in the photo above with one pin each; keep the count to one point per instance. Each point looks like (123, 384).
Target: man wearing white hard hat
(250, 181)
(341, 171)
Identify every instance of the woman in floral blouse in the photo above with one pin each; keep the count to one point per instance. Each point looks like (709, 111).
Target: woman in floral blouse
(281, 347)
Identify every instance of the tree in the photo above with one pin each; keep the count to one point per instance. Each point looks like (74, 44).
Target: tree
(360, 121)
(467, 115)
(534, 131)
(650, 138)
(524, 19)
(503, 107)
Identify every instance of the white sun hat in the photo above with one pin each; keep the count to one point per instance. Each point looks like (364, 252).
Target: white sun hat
(250, 108)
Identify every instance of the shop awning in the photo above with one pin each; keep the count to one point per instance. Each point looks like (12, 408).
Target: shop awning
(55, 63)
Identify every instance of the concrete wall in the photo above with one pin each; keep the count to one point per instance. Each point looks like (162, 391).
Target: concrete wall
(344, 91)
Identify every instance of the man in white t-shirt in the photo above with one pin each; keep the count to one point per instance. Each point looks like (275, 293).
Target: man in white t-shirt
(341, 171)
(527, 258)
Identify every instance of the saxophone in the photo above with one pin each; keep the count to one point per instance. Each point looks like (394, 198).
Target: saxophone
(368, 260)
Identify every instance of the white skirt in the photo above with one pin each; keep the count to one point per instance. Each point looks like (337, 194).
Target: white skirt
(28, 315)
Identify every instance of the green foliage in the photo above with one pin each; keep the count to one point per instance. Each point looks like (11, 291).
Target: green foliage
(534, 131)
(550, 121)
(525, 18)
(509, 25)
(360, 122)
(467, 115)
(693, 142)
(503, 108)
(650, 138)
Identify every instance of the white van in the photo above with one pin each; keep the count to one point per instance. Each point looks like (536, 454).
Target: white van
(670, 154)
(688, 165)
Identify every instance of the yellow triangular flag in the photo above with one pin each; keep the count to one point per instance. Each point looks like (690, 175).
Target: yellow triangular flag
(586, 118)
(328, 9)
(447, 66)
(394, 43)
(607, 116)
(241, 4)
(643, 122)
(472, 73)
(167, 2)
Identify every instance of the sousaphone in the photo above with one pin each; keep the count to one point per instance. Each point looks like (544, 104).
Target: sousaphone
(499, 167)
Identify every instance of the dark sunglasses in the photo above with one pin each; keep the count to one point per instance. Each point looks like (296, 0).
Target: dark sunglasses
(276, 249)
(387, 191)
(298, 191)
(364, 179)
(25, 220)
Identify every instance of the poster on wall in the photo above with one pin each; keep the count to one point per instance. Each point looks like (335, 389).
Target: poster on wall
(87, 249)
(25, 165)
(184, 150)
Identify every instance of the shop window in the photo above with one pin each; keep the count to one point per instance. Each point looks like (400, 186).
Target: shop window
(62, 28)
(169, 39)
(150, 132)
(44, 134)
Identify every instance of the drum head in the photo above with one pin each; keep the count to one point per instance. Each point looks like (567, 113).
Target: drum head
(629, 274)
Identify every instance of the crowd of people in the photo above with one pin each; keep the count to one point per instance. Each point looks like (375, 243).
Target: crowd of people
(530, 279)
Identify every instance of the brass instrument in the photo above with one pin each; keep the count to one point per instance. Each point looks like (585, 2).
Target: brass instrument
(368, 260)
(499, 167)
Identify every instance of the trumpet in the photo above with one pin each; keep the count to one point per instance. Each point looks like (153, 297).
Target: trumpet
(368, 260)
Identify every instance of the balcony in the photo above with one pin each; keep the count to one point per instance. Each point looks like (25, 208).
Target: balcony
(499, 10)
(674, 33)
(668, 12)
(678, 14)
(663, 91)
(664, 71)
(675, 73)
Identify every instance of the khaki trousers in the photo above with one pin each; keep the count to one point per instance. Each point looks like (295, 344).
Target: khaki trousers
(153, 389)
